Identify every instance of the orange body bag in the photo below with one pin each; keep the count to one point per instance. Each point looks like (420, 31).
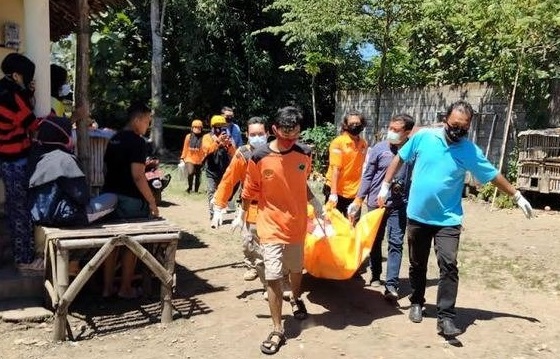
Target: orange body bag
(334, 249)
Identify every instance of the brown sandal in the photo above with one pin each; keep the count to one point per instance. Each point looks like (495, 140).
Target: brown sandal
(298, 309)
(270, 346)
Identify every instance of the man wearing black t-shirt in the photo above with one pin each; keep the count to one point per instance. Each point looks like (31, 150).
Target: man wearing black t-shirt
(125, 164)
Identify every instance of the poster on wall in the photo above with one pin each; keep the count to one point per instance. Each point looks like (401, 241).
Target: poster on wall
(11, 35)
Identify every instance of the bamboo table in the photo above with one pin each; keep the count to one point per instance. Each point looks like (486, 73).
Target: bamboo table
(135, 234)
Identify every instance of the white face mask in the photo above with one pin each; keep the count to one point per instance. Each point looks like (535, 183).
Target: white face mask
(393, 137)
(257, 140)
(64, 90)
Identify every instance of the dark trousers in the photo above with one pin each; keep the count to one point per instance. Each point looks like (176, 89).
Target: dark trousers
(394, 224)
(342, 204)
(193, 175)
(446, 245)
(16, 181)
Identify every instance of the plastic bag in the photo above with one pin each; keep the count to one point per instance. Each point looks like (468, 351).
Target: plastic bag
(182, 171)
(334, 249)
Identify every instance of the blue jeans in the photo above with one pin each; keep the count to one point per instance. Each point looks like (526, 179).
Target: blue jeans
(394, 222)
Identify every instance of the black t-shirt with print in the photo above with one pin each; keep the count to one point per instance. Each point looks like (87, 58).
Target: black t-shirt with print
(124, 148)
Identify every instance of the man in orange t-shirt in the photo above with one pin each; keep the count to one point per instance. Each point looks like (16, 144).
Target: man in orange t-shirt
(277, 180)
(193, 156)
(235, 173)
(347, 154)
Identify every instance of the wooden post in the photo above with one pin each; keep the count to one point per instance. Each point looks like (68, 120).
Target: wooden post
(506, 131)
(167, 289)
(82, 84)
(61, 286)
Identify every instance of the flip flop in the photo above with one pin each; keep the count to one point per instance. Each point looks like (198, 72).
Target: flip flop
(270, 346)
(299, 310)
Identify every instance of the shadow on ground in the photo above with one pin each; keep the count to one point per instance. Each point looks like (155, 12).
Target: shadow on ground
(96, 316)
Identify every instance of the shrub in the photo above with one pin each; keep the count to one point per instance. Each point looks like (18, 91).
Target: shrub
(319, 138)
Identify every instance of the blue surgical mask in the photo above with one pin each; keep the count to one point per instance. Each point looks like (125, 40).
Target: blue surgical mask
(393, 137)
(257, 140)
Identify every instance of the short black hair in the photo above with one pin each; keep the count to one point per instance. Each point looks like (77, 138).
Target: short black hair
(256, 120)
(19, 63)
(59, 76)
(226, 108)
(461, 106)
(287, 118)
(406, 119)
(349, 114)
(137, 109)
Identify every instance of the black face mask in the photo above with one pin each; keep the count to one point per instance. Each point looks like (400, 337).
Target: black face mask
(355, 129)
(455, 133)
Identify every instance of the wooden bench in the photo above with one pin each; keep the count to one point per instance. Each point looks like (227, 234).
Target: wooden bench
(134, 234)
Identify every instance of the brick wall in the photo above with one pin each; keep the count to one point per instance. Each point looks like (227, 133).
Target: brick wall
(428, 104)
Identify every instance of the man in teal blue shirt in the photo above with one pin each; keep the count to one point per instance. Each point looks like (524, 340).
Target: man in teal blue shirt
(442, 157)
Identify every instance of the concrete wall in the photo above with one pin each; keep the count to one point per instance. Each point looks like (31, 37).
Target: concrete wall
(12, 11)
(427, 105)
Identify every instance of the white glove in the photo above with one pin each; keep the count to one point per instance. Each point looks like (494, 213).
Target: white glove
(333, 198)
(353, 208)
(383, 193)
(523, 204)
(217, 216)
(239, 221)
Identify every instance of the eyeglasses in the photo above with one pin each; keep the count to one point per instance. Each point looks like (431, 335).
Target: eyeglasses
(199, 127)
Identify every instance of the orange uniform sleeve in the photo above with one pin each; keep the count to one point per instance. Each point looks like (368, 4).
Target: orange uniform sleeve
(252, 183)
(234, 173)
(185, 151)
(209, 144)
(335, 153)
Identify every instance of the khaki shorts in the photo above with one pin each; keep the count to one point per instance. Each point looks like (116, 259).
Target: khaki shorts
(282, 258)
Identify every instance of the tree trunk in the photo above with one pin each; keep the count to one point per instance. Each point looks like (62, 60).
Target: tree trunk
(554, 104)
(82, 84)
(313, 101)
(156, 20)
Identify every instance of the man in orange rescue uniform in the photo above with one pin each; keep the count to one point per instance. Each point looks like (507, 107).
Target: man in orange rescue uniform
(347, 154)
(193, 156)
(277, 180)
(235, 173)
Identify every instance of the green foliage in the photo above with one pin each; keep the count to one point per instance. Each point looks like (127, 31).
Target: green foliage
(486, 192)
(320, 138)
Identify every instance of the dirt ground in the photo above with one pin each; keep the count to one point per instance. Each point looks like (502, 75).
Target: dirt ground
(508, 303)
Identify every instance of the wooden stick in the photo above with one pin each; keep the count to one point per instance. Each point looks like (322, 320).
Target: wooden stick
(167, 289)
(87, 271)
(506, 131)
(148, 259)
(98, 242)
(52, 293)
(69, 295)
(491, 136)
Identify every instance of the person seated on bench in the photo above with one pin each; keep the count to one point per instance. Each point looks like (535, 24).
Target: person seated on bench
(125, 163)
(58, 194)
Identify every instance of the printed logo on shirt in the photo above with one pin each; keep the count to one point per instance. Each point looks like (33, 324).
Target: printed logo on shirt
(301, 166)
(268, 174)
